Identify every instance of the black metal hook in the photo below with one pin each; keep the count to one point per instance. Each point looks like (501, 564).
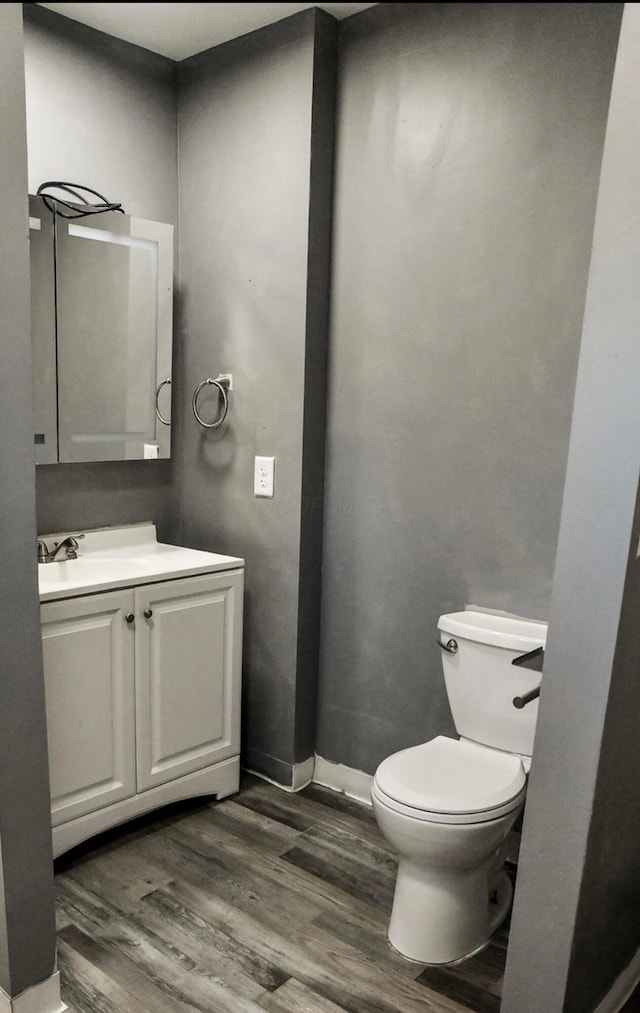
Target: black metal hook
(532, 659)
(522, 701)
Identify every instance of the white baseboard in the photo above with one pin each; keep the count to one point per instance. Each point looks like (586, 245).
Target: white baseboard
(622, 987)
(41, 998)
(354, 783)
(303, 774)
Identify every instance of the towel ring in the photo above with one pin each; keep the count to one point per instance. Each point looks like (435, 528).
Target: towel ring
(222, 385)
(159, 417)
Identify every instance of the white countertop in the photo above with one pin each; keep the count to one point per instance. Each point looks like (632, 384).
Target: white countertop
(110, 558)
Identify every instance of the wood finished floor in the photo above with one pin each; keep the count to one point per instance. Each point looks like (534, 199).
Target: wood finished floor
(265, 901)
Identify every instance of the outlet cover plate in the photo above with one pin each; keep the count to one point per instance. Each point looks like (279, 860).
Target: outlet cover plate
(263, 476)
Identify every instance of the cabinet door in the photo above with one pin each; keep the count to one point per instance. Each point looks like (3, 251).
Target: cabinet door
(188, 671)
(88, 649)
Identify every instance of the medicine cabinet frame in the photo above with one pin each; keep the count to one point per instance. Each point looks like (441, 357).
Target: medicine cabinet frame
(102, 335)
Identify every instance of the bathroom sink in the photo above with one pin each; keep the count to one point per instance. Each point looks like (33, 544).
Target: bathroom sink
(83, 568)
(109, 558)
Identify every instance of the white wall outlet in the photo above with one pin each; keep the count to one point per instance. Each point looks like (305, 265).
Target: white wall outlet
(151, 452)
(263, 476)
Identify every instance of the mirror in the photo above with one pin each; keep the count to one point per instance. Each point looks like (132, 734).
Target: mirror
(101, 307)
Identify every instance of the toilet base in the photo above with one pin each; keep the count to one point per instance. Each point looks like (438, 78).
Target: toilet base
(441, 917)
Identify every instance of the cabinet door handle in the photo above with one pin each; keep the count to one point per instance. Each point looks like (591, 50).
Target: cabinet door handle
(130, 617)
(148, 613)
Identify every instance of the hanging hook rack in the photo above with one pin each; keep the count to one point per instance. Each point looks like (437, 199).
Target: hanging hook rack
(223, 384)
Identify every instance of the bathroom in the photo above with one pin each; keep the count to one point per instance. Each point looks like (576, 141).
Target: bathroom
(468, 148)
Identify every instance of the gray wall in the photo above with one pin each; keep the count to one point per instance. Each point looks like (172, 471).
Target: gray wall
(468, 152)
(580, 862)
(254, 248)
(103, 113)
(468, 160)
(27, 924)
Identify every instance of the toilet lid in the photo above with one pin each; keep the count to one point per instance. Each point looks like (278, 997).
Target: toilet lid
(451, 776)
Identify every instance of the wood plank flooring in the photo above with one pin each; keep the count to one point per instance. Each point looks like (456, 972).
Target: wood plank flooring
(266, 901)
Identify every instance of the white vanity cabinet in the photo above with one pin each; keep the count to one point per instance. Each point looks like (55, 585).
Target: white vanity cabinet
(143, 689)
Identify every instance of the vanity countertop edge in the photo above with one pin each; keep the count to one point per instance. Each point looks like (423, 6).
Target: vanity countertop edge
(126, 556)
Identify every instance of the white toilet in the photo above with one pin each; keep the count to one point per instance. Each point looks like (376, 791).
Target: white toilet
(447, 806)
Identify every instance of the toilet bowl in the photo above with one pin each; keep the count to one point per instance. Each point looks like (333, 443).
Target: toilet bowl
(448, 805)
(451, 892)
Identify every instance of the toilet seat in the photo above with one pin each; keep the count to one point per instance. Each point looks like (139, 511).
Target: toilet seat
(450, 781)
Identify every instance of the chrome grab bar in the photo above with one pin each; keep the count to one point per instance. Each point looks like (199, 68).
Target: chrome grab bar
(159, 417)
(222, 383)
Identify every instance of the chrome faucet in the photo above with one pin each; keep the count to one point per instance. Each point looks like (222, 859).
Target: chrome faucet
(66, 548)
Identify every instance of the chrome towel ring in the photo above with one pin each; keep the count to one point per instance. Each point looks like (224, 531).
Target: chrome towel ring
(159, 417)
(222, 383)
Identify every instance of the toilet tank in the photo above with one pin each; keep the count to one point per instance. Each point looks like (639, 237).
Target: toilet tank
(481, 682)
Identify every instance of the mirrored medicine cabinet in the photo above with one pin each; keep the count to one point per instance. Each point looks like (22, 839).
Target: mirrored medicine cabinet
(102, 327)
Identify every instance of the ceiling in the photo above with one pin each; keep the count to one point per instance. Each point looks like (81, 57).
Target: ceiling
(180, 30)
